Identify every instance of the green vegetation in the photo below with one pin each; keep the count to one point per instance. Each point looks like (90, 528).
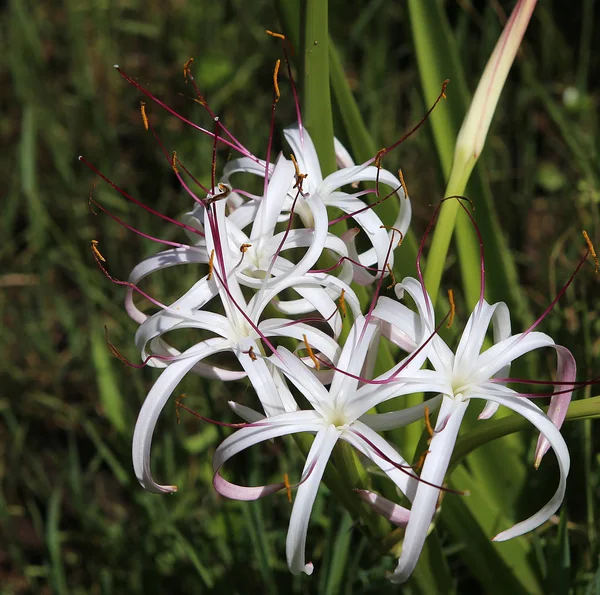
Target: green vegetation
(73, 518)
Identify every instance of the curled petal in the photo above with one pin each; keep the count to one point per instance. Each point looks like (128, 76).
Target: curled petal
(154, 404)
(396, 514)
(316, 462)
(544, 424)
(566, 372)
(425, 498)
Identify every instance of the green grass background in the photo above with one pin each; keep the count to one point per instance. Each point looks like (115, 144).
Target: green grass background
(72, 517)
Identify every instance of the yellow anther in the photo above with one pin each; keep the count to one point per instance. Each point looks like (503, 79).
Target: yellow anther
(396, 230)
(421, 461)
(444, 85)
(251, 354)
(178, 405)
(428, 423)
(224, 192)
(591, 249)
(96, 252)
(244, 248)
(299, 177)
(288, 487)
(144, 116)
(403, 183)
(186, 68)
(275, 82)
(273, 34)
(311, 353)
(452, 308)
(174, 162)
(389, 268)
(210, 265)
(342, 304)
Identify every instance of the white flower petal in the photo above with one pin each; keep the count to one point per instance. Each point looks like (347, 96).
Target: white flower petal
(381, 422)
(306, 156)
(544, 424)
(373, 446)
(425, 498)
(154, 404)
(398, 515)
(566, 371)
(316, 462)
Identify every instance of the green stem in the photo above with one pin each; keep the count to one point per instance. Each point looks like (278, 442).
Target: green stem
(317, 97)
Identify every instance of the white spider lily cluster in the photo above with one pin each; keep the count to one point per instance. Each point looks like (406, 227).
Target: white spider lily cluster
(264, 255)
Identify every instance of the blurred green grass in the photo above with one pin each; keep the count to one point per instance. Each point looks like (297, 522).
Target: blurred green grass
(72, 517)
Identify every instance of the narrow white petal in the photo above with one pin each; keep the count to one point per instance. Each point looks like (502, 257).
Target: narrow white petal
(154, 404)
(265, 429)
(274, 398)
(342, 156)
(381, 452)
(544, 424)
(246, 413)
(381, 422)
(425, 499)
(316, 462)
(566, 371)
(306, 156)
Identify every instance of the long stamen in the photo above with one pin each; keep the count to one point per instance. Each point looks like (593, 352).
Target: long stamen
(180, 405)
(135, 200)
(100, 259)
(404, 468)
(284, 43)
(156, 100)
(113, 349)
(188, 75)
(367, 207)
(380, 154)
(276, 96)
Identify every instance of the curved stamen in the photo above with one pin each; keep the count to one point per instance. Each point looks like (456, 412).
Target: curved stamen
(156, 100)
(135, 200)
(404, 468)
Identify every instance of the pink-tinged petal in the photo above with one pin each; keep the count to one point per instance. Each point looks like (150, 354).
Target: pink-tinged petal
(566, 371)
(306, 156)
(380, 422)
(342, 156)
(396, 514)
(400, 324)
(153, 405)
(316, 462)
(236, 492)
(383, 454)
(488, 410)
(544, 424)
(426, 496)
(265, 429)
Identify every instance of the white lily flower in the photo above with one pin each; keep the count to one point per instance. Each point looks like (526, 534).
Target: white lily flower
(470, 374)
(327, 190)
(256, 258)
(339, 413)
(240, 331)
